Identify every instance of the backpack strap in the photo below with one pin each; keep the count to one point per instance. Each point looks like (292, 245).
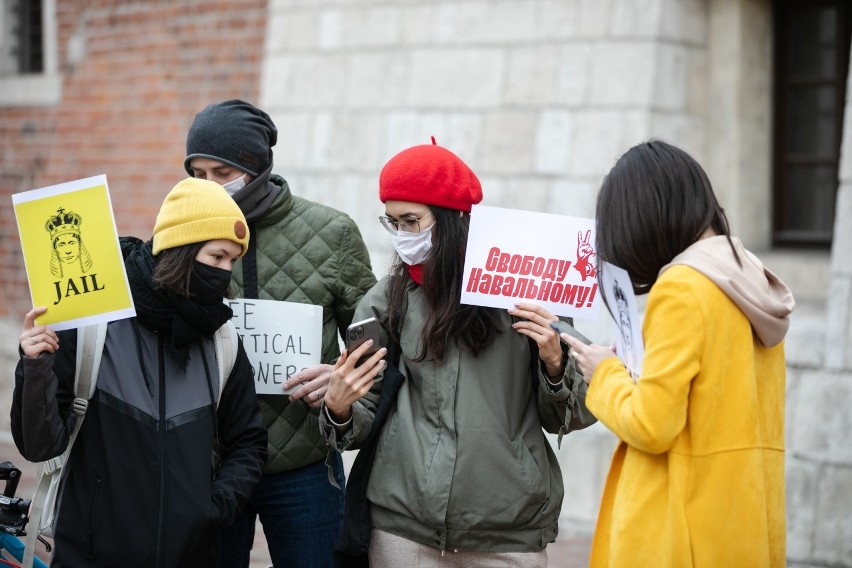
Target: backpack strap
(90, 348)
(36, 512)
(226, 341)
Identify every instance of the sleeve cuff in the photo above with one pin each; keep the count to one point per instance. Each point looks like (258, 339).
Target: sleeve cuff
(340, 427)
(556, 387)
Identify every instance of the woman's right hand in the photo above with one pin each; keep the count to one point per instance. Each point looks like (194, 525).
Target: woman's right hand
(588, 357)
(36, 339)
(349, 381)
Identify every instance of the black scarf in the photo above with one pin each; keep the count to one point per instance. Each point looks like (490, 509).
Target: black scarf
(181, 320)
(257, 196)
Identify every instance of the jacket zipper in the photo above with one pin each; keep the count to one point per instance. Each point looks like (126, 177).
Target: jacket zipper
(90, 535)
(161, 452)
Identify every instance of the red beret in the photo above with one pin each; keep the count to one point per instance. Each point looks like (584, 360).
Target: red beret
(432, 175)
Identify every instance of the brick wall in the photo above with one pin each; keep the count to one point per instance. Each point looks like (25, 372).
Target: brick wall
(134, 75)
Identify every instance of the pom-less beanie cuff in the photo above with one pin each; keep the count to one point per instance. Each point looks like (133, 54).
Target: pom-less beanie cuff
(198, 210)
(218, 159)
(432, 175)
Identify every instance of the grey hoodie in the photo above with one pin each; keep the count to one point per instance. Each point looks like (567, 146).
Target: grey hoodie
(762, 297)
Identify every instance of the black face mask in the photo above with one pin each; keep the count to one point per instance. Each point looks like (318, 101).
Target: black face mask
(208, 284)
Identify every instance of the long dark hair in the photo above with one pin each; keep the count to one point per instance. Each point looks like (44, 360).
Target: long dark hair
(654, 203)
(471, 327)
(174, 268)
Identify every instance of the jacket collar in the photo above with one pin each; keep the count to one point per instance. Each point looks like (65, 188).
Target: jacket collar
(280, 206)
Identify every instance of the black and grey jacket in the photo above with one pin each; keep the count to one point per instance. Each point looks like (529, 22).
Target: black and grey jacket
(140, 487)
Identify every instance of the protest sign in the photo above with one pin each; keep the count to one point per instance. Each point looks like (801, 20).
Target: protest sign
(534, 257)
(280, 339)
(71, 253)
(618, 291)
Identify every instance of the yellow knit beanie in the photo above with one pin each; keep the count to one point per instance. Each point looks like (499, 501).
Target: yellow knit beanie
(198, 210)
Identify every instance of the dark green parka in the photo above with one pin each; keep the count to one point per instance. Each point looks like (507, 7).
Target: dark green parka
(311, 254)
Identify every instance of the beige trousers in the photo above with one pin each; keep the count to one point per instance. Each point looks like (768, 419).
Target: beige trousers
(391, 551)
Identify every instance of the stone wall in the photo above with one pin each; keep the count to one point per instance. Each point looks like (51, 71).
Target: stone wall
(819, 395)
(540, 97)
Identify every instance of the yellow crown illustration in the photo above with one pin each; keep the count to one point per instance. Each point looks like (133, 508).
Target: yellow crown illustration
(63, 222)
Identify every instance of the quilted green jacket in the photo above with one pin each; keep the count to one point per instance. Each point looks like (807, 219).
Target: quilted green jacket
(312, 254)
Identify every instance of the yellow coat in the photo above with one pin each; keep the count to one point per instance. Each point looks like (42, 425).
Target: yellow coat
(698, 477)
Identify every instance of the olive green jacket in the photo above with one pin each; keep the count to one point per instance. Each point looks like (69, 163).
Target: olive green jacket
(462, 461)
(311, 254)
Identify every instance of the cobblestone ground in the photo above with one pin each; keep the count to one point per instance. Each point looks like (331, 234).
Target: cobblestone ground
(571, 549)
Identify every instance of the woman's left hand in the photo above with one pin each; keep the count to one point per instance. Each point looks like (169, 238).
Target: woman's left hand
(310, 384)
(537, 327)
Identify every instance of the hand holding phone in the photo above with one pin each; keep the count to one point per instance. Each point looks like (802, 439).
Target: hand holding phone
(565, 327)
(359, 332)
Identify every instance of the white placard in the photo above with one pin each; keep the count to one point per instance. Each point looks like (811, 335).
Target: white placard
(618, 290)
(280, 339)
(546, 259)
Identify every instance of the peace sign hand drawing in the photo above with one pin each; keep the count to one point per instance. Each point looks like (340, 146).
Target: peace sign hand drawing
(585, 253)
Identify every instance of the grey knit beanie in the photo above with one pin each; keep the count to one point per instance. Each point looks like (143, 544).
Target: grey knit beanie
(235, 133)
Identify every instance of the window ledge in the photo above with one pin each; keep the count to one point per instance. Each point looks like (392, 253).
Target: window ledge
(30, 90)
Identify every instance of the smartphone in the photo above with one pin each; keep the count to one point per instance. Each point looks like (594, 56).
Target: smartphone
(359, 332)
(565, 327)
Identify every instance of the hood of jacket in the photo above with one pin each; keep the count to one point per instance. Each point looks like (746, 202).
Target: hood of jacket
(762, 297)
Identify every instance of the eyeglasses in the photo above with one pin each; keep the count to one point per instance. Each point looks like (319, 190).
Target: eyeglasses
(409, 224)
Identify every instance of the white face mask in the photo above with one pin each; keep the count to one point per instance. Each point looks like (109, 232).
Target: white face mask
(235, 185)
(413, 248)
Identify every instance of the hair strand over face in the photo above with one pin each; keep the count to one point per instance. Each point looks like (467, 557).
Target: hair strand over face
(174, 268)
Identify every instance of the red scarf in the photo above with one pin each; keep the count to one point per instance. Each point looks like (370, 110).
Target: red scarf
(416, 272)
